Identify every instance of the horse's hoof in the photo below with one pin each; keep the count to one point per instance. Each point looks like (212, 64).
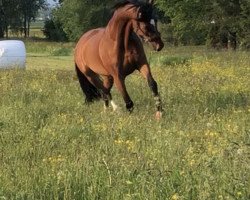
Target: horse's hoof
(130, 106)
(130, 110)
(158, 115)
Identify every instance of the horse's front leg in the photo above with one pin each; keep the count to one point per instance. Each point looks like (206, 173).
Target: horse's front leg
(108, 82)
(120, 85)
(146, 73)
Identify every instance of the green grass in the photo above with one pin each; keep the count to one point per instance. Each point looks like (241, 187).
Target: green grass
(53, 146)
(51, 55)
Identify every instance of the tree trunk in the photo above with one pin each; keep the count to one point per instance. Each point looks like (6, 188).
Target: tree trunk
(1, 33)
(1, 30)
(7, 31)
(28, 30)
(25, 25)
(1, 21)
(232, 40)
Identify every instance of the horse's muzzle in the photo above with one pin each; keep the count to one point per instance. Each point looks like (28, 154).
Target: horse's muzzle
(159, 46)
(156, 42)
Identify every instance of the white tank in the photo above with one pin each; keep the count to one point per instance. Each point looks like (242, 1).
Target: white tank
(12, 54)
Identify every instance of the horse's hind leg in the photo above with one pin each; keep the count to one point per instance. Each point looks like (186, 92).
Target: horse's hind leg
(90, 91)
(108, 82)
(95, 80)
(104, 86)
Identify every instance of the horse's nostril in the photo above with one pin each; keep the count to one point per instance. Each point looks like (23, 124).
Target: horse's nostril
(159, 47)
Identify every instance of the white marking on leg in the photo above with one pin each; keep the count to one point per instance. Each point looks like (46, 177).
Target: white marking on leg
(105, 107)
(113, 105)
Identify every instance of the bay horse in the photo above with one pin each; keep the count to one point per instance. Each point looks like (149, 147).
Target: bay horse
(105, 56)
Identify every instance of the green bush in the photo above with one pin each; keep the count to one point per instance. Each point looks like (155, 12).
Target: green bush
(171, 60)
(53, 31)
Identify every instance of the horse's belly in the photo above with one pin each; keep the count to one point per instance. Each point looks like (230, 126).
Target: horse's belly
(99, 69)
(94, 62)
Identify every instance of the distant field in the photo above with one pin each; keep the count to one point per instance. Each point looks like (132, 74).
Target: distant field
(53, 146)
(36, 31)
(49, 55)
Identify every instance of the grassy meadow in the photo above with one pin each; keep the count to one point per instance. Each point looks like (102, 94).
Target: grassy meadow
(53, 146)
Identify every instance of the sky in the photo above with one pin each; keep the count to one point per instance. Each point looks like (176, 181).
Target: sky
(51, 2)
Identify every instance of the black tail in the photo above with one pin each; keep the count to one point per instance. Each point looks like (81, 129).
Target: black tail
(88, 89)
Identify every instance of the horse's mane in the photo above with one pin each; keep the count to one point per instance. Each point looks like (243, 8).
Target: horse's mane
(124, 3)
(146, 9)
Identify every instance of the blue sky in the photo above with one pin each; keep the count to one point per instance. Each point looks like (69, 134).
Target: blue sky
(51, 2)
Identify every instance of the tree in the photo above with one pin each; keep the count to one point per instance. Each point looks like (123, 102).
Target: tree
(17, 15)
(1, 19)
(222, 23)
(187, 19)
(244, 24)
(10, 16)
(225, 16)
(53, 30)
(29, 10)
(78, 16)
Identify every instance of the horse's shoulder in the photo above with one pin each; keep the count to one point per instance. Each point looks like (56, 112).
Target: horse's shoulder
(92, 32)
(88, 35)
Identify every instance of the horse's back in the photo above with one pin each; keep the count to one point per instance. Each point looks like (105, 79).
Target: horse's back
(87, 51)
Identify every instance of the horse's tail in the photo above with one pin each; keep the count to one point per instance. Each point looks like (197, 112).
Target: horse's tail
(88, 89)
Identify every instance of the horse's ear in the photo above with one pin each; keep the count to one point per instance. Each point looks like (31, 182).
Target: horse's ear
(150, 2)
(139, 15)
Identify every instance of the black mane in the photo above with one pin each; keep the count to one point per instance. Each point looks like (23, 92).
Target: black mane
(124, 3)
(145, 8)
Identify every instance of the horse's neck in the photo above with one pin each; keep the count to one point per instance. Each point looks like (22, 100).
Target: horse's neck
(127, 33)
(121, 17)
(115, 28)
(119, 31)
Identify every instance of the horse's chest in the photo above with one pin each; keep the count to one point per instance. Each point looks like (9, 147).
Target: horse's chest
(131, 58)
(130, 63)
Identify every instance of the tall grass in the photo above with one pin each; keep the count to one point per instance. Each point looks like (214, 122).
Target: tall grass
(49, 55)
(48, 48)
(53, 146)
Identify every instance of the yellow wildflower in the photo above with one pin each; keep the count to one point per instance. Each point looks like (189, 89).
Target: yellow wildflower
(118, 141)
(192, 162)
(175, 196)
(239, 194)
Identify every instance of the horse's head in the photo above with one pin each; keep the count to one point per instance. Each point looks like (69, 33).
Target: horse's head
(145, 26)
(143, 20)
(149, 33)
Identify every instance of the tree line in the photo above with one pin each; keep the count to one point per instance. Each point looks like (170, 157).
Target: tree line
(217, 23)
(18, 14)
